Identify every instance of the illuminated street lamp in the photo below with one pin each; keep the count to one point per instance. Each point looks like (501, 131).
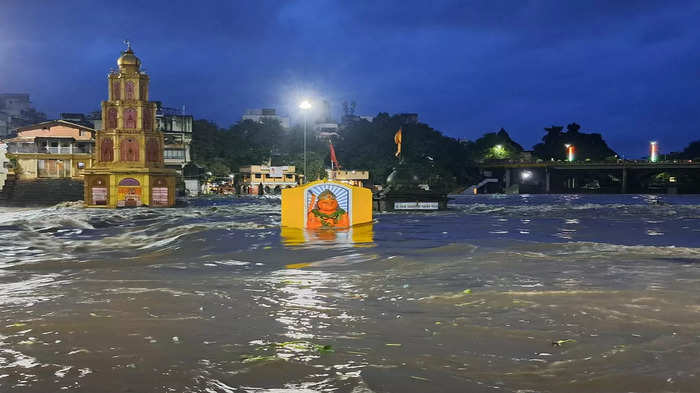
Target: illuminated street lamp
(569, 152)
(305, 106)
(654, 151)
(499, 151)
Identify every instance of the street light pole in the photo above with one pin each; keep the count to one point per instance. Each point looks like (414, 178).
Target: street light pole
(305, 106)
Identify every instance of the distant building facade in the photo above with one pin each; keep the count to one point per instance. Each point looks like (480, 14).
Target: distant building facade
(326, 130)
(4, 165)
(177, 136)
(259, 115)
(81, 118)
(355, 178)
(16, 111)
(271, 178)
(52, 149)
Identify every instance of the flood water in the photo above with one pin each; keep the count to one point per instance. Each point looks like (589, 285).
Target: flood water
(542, 293)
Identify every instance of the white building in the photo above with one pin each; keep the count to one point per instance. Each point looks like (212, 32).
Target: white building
(326, 130)
(259, 115)
(4, 164)
(177, 135)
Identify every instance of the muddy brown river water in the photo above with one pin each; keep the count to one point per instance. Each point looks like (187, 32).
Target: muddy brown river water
(546, 293)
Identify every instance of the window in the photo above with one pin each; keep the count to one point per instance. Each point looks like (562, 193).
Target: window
(129, 118)
(174, 154)
(129, 150)
(53, 168)
(130, 91)
(112, 118)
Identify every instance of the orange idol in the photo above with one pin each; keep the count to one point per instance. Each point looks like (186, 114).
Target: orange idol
(326, 213)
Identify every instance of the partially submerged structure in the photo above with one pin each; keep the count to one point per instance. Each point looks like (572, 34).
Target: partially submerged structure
(129, 170)
(326, 205)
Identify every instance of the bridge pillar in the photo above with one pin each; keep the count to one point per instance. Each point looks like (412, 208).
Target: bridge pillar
(507, 178)
(547, 188)
(624, 180)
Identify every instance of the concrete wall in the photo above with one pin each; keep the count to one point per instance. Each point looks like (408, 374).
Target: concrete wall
(44, 192)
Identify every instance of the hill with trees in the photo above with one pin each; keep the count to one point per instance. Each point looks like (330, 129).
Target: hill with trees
(587, 146)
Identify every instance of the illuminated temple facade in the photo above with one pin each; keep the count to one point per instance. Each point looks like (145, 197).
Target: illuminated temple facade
(128, 169)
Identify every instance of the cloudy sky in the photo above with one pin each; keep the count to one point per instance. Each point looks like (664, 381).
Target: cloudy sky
(627, 69)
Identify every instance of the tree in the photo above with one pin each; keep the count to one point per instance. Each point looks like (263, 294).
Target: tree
(370, 146)
(587, 146)
(691, 152)
(495, 146)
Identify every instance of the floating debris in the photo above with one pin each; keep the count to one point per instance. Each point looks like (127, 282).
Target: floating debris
(559, 343)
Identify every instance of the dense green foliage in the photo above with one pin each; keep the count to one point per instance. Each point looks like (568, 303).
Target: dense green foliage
(494, 146)
(363, 145)
(587, 146)
(224, 151)
(370, 146)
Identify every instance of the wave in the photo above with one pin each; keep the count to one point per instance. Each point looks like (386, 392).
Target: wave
(69, 233)
(690, 211)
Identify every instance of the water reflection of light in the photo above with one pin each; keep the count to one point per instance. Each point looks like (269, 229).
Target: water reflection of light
(356, 236)
(303, 308)
(305, 302)
(28, 291)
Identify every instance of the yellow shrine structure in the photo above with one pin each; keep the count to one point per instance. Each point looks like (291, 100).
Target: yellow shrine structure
(326, 205)
(128, 168)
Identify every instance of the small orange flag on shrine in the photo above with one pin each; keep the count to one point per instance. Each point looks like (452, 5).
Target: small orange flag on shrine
(397, 140)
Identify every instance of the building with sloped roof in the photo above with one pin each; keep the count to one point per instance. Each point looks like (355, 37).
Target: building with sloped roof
(52, 149)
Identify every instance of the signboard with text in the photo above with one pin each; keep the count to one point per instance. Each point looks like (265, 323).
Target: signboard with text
(416, 206)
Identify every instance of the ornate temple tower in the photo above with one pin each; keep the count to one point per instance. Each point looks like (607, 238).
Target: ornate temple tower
(128, 169)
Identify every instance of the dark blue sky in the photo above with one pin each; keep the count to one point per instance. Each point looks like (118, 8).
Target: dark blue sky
(627, 69)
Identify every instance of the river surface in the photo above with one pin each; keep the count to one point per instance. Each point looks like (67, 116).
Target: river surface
(542, 293)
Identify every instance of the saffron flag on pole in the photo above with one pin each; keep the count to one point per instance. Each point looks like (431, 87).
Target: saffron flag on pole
(334, 160)
(397, 140)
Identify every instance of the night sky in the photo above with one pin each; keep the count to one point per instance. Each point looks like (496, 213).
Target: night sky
(629, 70)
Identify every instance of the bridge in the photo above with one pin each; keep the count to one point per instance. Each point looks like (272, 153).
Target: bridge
(641, 176)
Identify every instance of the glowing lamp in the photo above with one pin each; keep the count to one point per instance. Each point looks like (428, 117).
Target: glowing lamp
(305, 105)
(569, 152)
(653, 151)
